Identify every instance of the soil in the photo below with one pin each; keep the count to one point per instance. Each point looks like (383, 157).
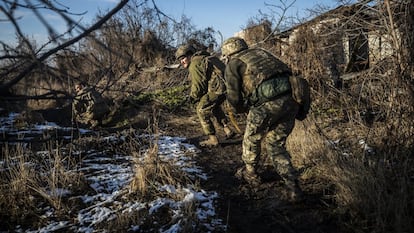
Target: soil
(253, 209)
(243, 208)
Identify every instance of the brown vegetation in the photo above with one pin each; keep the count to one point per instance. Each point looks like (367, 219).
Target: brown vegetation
(354, 151)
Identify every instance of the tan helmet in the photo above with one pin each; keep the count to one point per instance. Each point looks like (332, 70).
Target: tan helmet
(233, 45)
(184, 50)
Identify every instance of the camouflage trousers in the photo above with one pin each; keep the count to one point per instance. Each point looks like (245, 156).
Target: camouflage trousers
(87, 118)
(209, 109)
(271, 123)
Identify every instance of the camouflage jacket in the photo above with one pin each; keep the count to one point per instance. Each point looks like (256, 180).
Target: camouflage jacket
(207, 76)
(90, 104)
(247, 70)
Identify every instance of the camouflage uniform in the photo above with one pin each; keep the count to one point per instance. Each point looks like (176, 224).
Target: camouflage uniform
(204, 92)
(273, 121)
(89, 107)
(271, 114)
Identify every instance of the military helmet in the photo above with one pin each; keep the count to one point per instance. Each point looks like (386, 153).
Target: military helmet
(233, 45)
(184, 50)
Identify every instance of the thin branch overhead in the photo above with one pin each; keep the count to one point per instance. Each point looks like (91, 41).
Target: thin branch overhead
(37, 59)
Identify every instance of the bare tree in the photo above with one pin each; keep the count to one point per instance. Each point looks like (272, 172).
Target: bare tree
(113, 50)
(374, 41)
(17, 63)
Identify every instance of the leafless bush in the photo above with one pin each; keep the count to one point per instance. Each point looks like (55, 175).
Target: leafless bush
(18, 62)
(361, 135)
(132, 51)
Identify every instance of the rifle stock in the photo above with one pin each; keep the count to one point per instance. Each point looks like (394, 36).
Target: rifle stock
(234, 122)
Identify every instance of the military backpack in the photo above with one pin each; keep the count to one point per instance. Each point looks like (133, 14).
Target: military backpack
(301, 94)
(215, 70)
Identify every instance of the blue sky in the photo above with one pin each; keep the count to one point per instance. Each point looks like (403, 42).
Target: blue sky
(229, 16)
(226, 16)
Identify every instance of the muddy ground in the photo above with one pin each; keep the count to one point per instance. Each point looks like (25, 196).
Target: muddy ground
(248, 209)
(243, 208)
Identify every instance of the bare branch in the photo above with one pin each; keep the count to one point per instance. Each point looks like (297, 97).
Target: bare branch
(44, 56)
(162, 13)
(18, 30)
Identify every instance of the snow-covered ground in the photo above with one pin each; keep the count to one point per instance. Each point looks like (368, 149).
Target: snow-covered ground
(110, 175)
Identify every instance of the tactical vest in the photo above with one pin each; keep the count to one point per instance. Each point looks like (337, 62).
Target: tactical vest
(261, 65)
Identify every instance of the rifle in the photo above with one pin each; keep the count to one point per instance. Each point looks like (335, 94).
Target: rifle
(234, 122)
(154, 69)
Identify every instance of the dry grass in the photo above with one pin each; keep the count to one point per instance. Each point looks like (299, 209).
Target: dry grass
(15, 195)
(356, 146)
(29, 179)
(151, 172)
(364, 168)
(371, 189)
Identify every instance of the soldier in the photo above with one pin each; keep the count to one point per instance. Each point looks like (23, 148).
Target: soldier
(258, 83)
(89, 107)
(207, 90)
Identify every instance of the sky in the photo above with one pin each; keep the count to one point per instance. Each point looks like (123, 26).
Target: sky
(229, 16)
(225, 16)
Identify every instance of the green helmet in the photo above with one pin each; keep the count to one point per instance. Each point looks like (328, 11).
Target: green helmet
(233, 45)
(184, 50)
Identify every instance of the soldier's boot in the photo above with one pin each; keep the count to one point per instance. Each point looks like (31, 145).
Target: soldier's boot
(293, 191)
(212, 141)
(248, 174)
(229, 133)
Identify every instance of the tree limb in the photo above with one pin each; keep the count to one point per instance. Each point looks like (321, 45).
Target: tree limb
(36, 62)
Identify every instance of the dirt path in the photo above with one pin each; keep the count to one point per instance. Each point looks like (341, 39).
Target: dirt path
(247, 209)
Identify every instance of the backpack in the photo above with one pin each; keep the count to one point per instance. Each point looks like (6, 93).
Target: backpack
(215, 70)
(301, 94)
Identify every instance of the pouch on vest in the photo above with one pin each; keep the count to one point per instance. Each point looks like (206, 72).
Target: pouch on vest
(301, 94)
(269, 90)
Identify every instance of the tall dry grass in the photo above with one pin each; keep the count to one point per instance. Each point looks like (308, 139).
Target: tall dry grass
(16, 197)
(29, 179)
(356, 147)
(151, 172)
(371, 191)
(364, 169)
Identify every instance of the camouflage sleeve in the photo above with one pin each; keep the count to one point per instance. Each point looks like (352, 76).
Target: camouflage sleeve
(199, 81)
(90, 102)
(233, 76)
(76, 105)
